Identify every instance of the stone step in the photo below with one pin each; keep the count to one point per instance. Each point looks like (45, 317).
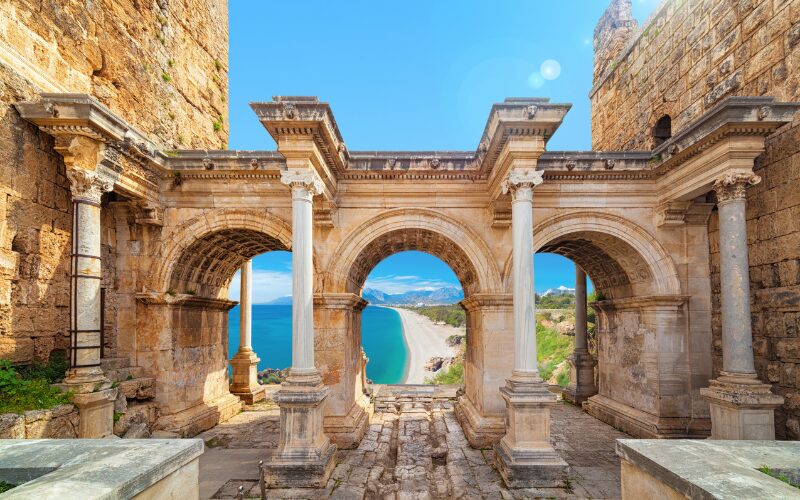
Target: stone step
(138, 388)
(122, 374)
(114, 363)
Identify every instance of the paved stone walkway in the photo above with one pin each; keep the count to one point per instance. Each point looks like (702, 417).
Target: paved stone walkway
(414, 449)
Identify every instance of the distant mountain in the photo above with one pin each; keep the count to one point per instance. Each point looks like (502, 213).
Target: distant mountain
(438, 296)
(562, 290)
(281, 301)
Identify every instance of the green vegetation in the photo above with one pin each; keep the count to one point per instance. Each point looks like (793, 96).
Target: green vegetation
(565, 301)
(217, 124)
(551, 350)
(452, 315)
(777, 475)
(53, 371)
(18, 393)
(271, 379)
(4, 486)
(117, 416)
(217, 64)
(453, 375)
(165, 77)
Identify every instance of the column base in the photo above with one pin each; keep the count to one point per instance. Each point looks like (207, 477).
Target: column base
(244, 380)
(524, 457)
(481, 431)
(741, 407)
(85, 380)
(96, 412)
(643, 425)
(581, 378)
(192, 421)
(304, 458)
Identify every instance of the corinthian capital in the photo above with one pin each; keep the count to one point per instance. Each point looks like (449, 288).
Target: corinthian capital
(302, 180)
(521, 183)
(88, 185)
(732, 185)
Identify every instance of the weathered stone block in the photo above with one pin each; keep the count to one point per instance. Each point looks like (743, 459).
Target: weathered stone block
(12, 426)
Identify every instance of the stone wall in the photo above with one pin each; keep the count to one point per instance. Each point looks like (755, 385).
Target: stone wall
(687, 57)
(159, 64)
(60, 422)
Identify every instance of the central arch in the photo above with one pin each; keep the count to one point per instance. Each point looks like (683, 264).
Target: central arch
(488, 310)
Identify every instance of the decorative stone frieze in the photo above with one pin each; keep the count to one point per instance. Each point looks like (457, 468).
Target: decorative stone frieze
(672, 214)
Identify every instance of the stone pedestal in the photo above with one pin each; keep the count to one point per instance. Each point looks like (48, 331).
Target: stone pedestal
(581, 378)
(741, 408)
(244, 379)
(97, 413)
(524, 457)
(304, 458)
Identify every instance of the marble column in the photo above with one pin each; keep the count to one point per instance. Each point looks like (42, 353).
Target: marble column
(581, 374)
(94, 396)
(244, 380)
(742, 407)
(524, 456)
(304, 457)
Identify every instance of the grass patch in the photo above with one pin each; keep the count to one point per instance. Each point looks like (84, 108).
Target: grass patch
(19, 394)
(53, 371)
(165, 77)
(551, 349)
(4, 486)
(777, 475)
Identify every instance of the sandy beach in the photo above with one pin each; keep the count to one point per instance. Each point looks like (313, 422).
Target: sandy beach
(425, 340)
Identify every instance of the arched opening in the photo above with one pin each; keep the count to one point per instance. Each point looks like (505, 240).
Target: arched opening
(184, 331)
(648, 363)
(413, 330)
(662, 131)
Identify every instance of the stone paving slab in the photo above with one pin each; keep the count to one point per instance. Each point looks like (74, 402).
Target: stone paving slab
(415, 449)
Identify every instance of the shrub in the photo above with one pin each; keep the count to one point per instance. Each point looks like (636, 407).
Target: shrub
(453, 375)
(53, 371)
(18, 394)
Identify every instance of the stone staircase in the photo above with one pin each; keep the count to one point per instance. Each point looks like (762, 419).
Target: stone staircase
(393, 398)
(134, 411)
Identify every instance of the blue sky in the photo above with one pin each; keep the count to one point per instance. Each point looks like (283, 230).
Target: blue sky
(412, 75)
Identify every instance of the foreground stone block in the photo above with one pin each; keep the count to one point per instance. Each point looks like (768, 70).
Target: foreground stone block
(97, 413)
(67, 468)
(524, 457)
(706, 468)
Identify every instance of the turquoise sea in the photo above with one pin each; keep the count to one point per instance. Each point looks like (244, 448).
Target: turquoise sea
(381, 337)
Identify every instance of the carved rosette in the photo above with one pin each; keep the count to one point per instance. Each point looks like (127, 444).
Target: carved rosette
(88, 185)
(304, 183)
(520, 183)
(733, 186)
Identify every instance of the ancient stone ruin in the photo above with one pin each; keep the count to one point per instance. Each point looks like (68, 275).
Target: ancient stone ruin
(125, 217)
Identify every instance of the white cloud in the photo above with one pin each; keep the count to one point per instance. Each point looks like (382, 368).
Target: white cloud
(267, 285)
(393, 284)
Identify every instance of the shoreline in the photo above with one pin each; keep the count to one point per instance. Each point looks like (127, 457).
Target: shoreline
(424, 340)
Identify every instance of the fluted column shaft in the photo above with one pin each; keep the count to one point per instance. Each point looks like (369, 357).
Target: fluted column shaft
(304, 186)
(246, 307)
(520, 184)
(87, 187)
(737, 337)
(581, 344)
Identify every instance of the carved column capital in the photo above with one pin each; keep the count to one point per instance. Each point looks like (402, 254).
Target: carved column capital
(88, 185)
(732, 186)
(304, 183)
(520, 183)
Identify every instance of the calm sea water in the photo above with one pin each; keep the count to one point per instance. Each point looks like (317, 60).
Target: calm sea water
(381, 337)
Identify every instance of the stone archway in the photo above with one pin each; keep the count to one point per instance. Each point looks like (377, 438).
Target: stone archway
(646, 366)
(362, 249)
(182, 326)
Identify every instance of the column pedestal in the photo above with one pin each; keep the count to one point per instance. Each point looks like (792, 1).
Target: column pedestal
(741, 408)
(581, 378)
(244, 379)
(96, 412)
(524, 457)
(304, 458)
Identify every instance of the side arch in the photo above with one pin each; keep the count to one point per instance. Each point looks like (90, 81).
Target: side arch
(621, 257)
(204, 251)
(413, 229)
